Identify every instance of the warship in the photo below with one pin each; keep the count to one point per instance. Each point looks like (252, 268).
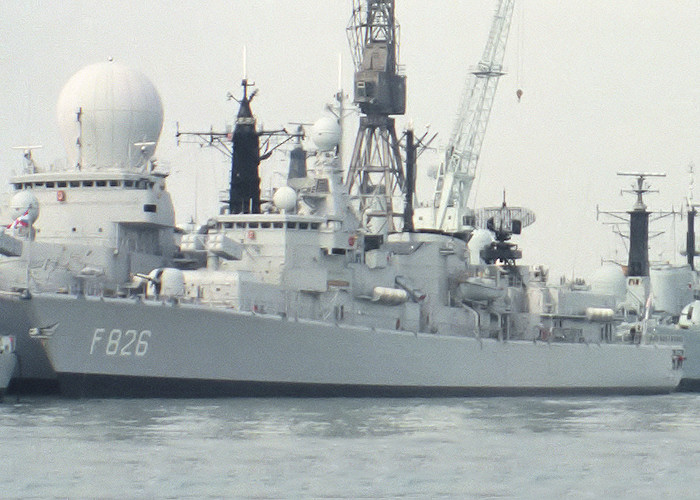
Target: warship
(328, 289)
(299, 300)
(92, 222)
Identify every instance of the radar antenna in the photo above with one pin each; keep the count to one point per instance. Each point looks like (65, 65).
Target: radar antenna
(503, 222)
(29, 163)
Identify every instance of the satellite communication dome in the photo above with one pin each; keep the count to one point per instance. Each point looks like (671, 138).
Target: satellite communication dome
(325, 133)
(609, 280)
(110, 117)
(23, 203)
(285, 198)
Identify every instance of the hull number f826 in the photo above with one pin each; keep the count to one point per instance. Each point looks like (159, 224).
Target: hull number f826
(120, 343)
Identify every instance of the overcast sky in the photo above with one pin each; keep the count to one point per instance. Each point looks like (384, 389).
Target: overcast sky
(607, 86)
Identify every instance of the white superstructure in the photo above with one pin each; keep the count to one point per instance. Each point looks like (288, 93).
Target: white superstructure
(100, 218)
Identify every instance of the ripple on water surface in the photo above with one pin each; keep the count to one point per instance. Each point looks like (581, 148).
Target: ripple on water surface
(641, 447)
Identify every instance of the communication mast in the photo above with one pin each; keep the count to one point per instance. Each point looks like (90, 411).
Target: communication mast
(375, 178)
(638, 219)
(450, 212)
(690, 250)
(244, 146)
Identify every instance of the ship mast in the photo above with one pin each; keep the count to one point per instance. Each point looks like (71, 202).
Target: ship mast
(638, 219)
(244, 189)
(690, 250)
(246, 150)
(638, 259)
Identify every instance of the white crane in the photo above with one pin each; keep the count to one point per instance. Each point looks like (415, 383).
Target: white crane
(456, 175)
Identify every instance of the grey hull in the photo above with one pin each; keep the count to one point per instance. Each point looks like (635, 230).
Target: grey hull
(689, 385)
(81, 385)
(34, 373)
(690, 381)
(123, 347)
(8, 365)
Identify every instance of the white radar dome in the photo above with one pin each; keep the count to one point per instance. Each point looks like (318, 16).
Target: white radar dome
(325, 133)
(110, 116)
(23, 203)
(285, 198)
(610, 280)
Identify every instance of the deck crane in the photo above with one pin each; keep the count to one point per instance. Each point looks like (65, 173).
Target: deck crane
(450, 213)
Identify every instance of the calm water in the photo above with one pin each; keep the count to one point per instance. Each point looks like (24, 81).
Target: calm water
(633, 447)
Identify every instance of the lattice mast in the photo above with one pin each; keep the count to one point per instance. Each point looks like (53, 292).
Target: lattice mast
(457, 173)
(375, 178)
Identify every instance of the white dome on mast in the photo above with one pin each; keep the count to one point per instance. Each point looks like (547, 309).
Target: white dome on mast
(325, 133)
(110, 117)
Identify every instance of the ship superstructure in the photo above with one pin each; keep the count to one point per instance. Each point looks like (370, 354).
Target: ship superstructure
(94, 223)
